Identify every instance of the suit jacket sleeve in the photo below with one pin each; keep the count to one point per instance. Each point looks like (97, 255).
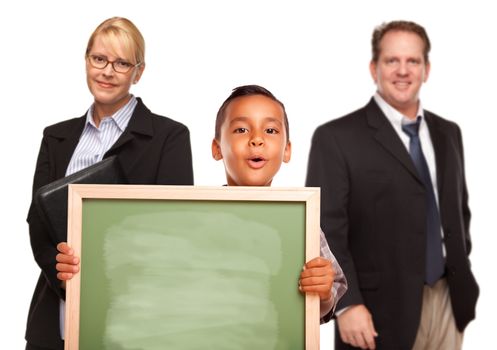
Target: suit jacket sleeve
(42, 243)
(465, 207)
(328, 169)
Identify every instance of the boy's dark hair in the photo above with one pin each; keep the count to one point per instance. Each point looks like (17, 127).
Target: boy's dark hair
(247, 90)
(402, 26)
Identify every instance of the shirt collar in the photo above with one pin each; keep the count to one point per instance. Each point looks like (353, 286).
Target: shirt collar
(394, 116)
(121, 117)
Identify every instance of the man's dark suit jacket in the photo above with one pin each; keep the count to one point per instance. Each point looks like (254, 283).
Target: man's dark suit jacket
(152, 150)
(374, 217)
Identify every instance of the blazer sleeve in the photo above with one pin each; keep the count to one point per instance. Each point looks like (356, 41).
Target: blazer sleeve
(175, 164)
(42, 243)
(464, 203)
(327, 168)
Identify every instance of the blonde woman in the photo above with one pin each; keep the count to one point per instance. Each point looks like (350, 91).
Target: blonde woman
(151, 150)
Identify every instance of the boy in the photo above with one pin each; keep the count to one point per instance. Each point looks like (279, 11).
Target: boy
(252, 138)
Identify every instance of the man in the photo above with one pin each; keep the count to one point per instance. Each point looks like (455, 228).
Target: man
(394, 208)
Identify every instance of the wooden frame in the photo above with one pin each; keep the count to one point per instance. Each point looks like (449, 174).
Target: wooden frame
(79, 193)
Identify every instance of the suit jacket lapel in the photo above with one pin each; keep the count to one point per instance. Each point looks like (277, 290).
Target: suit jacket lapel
(139, 129)
(388, 138)
(68, 139)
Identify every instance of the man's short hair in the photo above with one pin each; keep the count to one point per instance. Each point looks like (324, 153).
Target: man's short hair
(403, 26)
(242, 91)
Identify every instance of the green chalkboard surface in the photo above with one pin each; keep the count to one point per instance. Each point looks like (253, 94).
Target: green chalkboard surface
(191, 274)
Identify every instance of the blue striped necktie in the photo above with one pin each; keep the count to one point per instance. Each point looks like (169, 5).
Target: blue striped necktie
(435, 264)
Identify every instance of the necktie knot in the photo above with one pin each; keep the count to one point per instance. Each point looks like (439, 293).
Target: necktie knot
(412, 129)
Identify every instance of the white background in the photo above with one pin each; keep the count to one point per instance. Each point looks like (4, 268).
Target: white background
(312, 55)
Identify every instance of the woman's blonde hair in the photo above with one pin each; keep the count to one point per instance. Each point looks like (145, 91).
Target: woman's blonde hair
(119, 30)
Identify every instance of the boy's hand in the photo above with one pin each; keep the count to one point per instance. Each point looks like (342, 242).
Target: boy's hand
(317, 277)
(67, 264)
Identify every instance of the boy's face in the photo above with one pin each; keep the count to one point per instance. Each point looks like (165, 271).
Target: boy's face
(253, 141)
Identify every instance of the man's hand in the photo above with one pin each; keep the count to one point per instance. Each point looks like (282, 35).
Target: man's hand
(356, 327)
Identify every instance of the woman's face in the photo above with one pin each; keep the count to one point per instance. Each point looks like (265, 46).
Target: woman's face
(110, 88)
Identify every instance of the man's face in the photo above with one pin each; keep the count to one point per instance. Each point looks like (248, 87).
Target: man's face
(400, 70)
(253, 141)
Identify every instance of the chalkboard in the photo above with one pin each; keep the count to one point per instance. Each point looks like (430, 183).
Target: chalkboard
(184, 267)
